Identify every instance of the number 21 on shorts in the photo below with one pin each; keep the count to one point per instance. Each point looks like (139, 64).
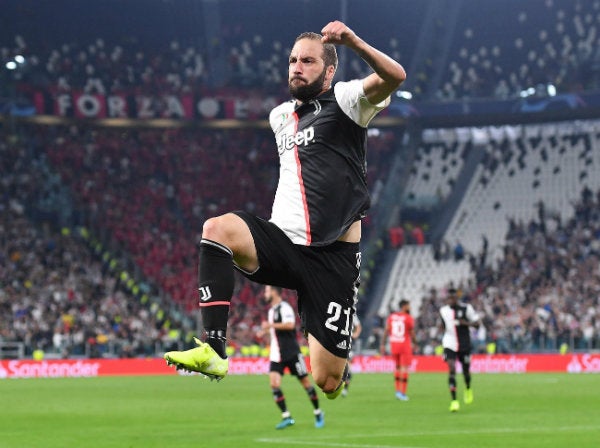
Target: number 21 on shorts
(338, 315)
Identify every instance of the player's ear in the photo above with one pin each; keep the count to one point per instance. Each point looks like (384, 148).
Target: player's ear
(329, 74)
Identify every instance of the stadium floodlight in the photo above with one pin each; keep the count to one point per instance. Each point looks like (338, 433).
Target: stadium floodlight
(404, 94)
(551, 89)
(11, 65)
(19, 59)
(527, 92)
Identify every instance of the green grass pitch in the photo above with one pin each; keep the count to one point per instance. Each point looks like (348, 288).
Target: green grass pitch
(530, 410)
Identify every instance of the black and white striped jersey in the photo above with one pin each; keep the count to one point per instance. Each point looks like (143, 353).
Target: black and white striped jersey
(457, 337)
(284, 345)
(322, 146)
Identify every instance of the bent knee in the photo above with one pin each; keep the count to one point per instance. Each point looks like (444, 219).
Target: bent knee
(213, 228)
(223, 229)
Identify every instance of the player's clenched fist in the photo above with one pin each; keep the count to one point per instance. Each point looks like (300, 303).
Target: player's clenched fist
(337, 33)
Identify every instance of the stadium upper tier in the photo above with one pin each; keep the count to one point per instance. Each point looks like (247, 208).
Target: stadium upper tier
(479, 49)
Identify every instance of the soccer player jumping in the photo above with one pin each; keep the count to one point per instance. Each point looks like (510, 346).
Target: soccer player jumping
(311, 242)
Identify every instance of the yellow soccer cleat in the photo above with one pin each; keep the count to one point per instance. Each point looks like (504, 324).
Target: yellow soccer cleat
(202, 359)
(336, 393)
(454, 406)
(468, 398)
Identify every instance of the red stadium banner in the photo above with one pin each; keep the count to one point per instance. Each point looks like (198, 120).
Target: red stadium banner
(89, 106)
(185, 107)
(523, 363)
(62, 368)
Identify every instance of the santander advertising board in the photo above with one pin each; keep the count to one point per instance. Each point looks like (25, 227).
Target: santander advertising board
(517, 363)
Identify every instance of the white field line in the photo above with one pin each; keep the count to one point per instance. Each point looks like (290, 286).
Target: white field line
(321, 441)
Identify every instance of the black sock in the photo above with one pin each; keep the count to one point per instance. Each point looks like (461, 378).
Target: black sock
(215, 287)
(346, 373)
(217, 339)
(348, 378)
(467, 375)
(279, 399)
(452, 385)
(312, 395)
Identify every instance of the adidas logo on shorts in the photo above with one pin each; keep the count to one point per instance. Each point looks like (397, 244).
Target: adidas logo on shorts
(343, 345)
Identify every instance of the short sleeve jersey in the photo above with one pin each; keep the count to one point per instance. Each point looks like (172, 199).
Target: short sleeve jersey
(457, 337)
(322, 146)
(399, 326)
(284, 345)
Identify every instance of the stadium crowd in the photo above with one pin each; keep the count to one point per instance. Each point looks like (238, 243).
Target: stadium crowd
(146, 193)
(153, 189)
(527, 44)
(540, 296)
(60, 296)
(544, 293)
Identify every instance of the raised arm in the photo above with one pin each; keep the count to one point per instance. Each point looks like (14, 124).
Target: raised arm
(388, 75)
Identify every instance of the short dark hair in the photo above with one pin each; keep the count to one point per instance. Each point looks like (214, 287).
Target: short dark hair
(403, 302)
(329, 52)
(279, 289)
(452, 291)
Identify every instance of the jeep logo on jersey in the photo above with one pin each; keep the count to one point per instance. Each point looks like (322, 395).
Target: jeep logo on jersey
(300, 138)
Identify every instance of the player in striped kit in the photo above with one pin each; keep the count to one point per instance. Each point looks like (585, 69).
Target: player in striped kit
(457, 318)
(285, 353)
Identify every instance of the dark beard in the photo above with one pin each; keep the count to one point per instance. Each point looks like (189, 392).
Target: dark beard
(307, 92)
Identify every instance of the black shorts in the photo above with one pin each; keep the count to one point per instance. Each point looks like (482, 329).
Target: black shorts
(296, 365)
(325, 277)
(462, 356)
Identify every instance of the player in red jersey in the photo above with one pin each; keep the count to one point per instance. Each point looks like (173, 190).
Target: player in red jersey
(400, 330)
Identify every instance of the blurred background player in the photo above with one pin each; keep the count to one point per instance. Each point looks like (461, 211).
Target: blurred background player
(285, 352)
(400, 330)
(356, 330)
(457, 318)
